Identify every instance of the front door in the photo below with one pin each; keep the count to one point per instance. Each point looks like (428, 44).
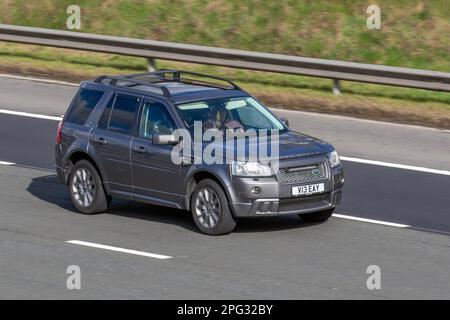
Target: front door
(156, 178)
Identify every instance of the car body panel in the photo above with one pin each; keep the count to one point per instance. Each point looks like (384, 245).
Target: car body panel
(114, 156)
(154, 174)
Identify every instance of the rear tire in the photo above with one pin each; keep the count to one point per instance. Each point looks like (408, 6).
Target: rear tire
(86, 189)
(318, 216)
(210, 209)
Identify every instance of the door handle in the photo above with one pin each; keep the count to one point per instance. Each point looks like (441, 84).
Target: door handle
(140, 149)
(100, 140)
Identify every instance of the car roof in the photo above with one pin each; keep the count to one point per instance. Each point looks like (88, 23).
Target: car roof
(171, 85)
(183, 92)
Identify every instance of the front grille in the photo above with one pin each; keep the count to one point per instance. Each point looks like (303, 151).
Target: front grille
(304, 174)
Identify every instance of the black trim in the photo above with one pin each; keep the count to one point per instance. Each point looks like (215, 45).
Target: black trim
(161, 74)
(113, 81)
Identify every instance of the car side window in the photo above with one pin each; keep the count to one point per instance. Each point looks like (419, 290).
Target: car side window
(119, 114)
(155, 119)
(83, 105)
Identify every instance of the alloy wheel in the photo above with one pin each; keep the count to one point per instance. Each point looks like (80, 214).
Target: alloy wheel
(207, 207)
(83, 187)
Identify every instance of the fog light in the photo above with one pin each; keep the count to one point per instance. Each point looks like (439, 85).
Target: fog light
(256, 190)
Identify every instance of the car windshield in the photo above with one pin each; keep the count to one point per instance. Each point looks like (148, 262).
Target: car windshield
(229, 113)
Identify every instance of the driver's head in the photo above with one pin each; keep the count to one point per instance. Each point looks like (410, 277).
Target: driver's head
(216, 116)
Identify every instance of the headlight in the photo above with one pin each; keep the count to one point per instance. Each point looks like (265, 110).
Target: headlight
(334, 158)
(250, 169)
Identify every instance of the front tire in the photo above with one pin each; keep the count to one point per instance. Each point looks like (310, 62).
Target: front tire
(86, 189)
(317, 216)
(210, 209)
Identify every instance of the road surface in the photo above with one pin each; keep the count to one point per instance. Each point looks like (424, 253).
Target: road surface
(268, 258)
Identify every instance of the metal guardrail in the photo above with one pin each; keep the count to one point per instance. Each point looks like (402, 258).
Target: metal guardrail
(150, 49)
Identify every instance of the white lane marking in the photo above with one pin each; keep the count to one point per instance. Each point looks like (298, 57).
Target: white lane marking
(31, 115)
(385, 223)
(65, 83)
(396, 165)
(105, 247)
(5, 163)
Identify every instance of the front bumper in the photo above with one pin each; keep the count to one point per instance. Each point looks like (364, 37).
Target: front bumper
(276, 197)
(287, 206)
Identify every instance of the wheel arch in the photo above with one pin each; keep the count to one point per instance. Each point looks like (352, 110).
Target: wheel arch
(77, 155)
(198, 176)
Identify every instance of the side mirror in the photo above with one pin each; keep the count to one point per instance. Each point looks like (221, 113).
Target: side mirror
(285, 121)
(165, 139)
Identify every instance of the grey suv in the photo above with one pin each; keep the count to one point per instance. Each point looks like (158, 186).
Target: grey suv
(117, 140)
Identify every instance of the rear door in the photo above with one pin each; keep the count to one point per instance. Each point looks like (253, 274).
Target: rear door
(156, 178)
(111, 141)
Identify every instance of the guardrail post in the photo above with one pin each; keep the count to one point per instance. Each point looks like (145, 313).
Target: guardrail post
(336, 86)
(151, 65)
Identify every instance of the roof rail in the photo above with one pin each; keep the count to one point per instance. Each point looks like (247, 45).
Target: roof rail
(177, 74)
(113, 81)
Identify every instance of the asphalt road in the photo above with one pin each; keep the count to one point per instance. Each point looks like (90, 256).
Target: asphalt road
(401, 196)
(271, 258)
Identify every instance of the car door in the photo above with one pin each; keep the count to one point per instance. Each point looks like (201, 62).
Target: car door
(111, 141)
(156, 178)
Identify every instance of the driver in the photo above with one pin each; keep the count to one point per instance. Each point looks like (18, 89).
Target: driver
(220, 118)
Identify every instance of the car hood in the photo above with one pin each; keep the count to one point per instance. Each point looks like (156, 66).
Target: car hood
(294, 144)
(291, 145)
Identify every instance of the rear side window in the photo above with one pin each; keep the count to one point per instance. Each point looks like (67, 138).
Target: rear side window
(83, 106)
(120, 116)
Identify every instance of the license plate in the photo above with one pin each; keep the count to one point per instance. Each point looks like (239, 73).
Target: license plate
(309, 189)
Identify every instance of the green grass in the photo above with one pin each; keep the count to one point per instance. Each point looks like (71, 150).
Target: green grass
(414, 32)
